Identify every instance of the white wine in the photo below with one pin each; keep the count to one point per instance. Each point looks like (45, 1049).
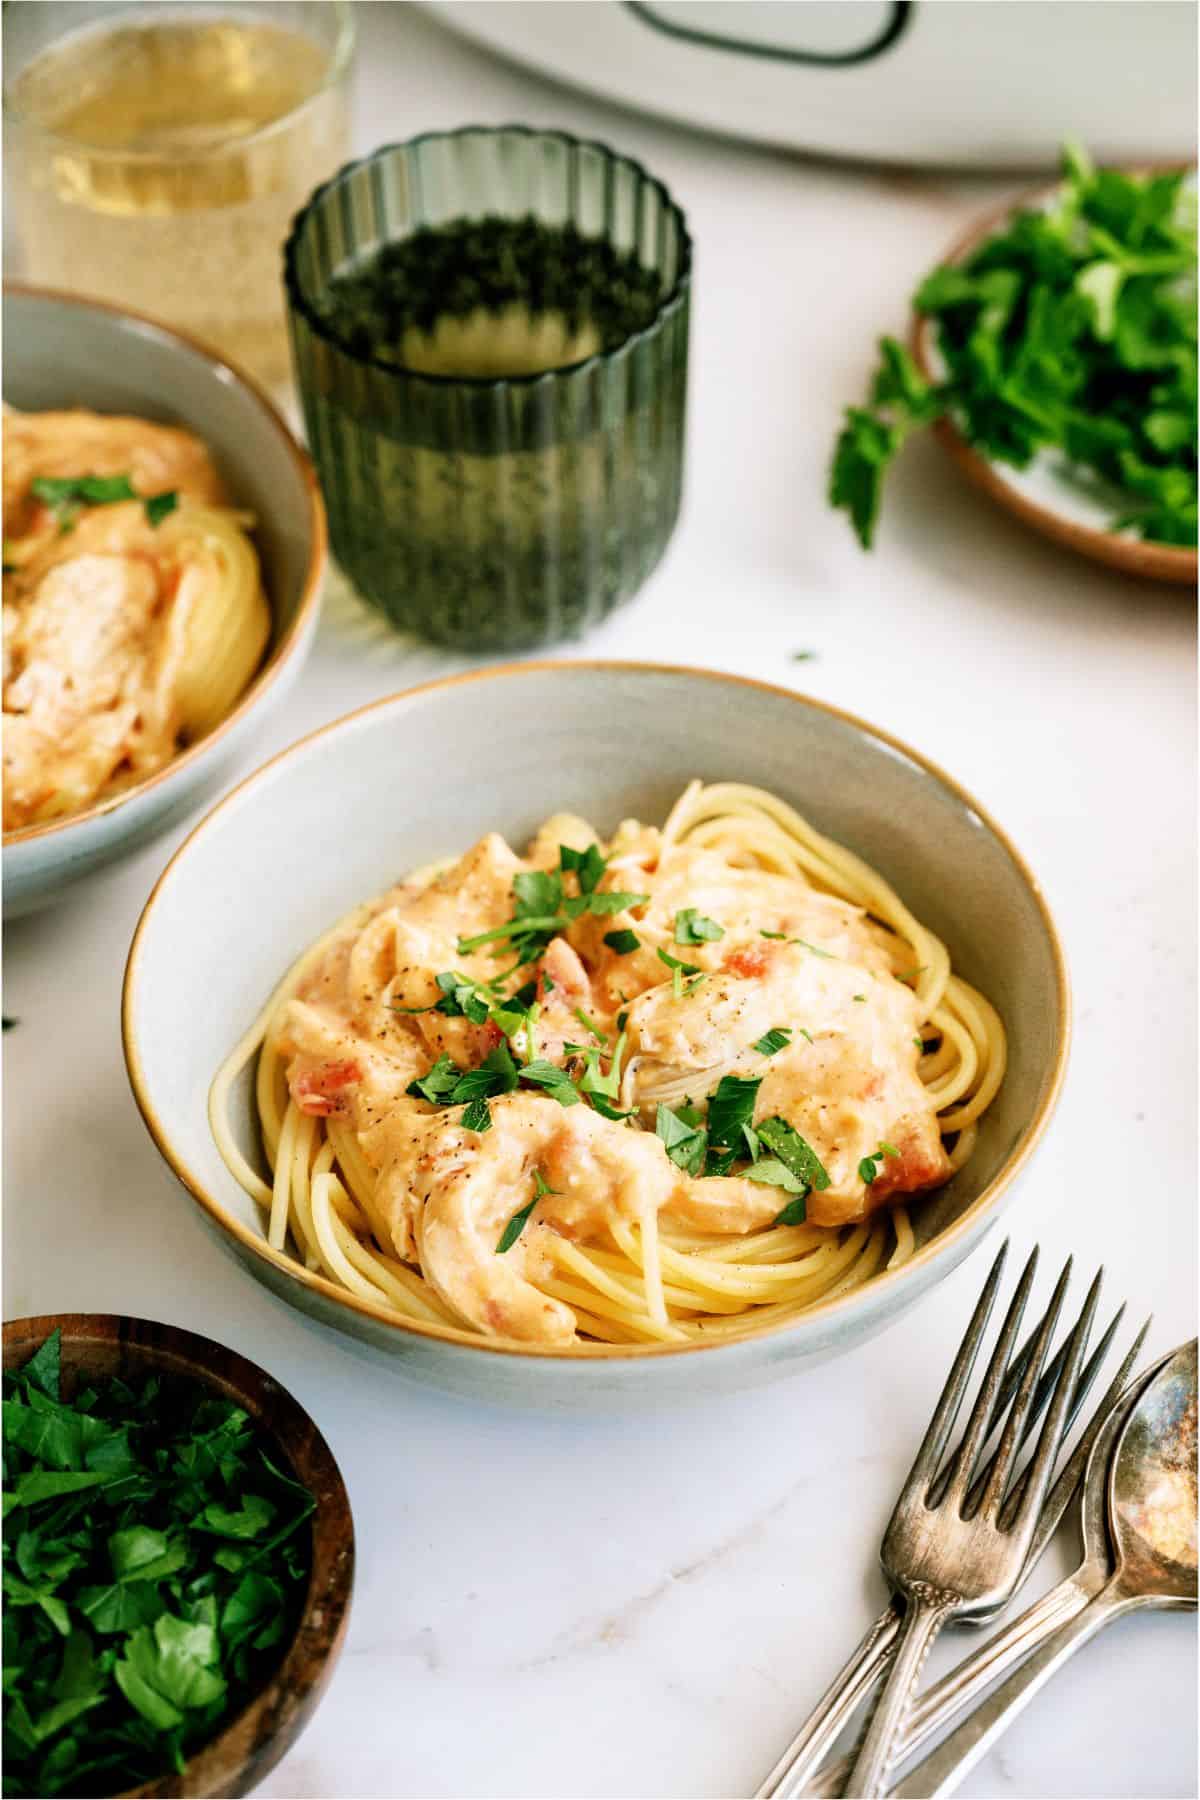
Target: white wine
(160, 164)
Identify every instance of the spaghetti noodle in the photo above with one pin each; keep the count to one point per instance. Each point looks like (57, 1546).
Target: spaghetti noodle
(657, 1091)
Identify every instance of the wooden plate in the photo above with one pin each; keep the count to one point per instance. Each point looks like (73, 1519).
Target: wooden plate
(1041, 495)
(100, 1345)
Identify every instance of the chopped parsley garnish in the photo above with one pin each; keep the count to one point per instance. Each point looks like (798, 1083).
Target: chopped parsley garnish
(781, 937)
(589, 865)
(777, 1038)
(691, 927)
(446, 1084)
(589, 1024)
(870, 1166)
(730, 1113)
(795, 1212)
(804, 656)
(553, 1080)
(544, 909)
(806, 1035)
(156, 1561)
(622, 941)
(678, 971)
(158, 506)
(477, 1116)
(794, 1152)
(769, 1170)
(519, 1220)
(67, 495)
(1072, 328)
(685, 1143)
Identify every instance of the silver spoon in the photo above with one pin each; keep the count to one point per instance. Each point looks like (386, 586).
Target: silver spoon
(1152, 1524)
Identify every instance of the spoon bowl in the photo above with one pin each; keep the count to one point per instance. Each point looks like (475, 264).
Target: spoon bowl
(1152, 1489)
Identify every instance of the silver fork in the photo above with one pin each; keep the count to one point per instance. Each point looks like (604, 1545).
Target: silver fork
(947, 1550)
(792, 1773)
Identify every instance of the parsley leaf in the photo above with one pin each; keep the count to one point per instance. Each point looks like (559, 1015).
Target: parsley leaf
(678, 970)
(795, 1212)
(159, 506)
(589, 865)
(731, 1112)
(685, 1143)
(520, 1219)
(773, 1173)
(869, 1167)
(794, 1151)
(691, 927)
(777, 1038)
(622, 941)
(477, 1116)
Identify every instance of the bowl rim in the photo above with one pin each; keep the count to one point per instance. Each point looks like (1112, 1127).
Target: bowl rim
(1132, 556)
(300, 302)
(294, 1684)
(888, 1282)
(290, 640)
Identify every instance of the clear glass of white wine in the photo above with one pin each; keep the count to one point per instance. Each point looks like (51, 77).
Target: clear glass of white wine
(156, 154)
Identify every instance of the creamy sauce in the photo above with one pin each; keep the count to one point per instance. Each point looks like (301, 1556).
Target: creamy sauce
(847, 1079)
(122, 638)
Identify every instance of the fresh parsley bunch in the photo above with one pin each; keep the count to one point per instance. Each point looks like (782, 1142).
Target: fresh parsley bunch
(1072, 328)
(153, 1567)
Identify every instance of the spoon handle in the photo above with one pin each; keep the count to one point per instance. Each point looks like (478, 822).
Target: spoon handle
(941, 1772)
(974, 1675)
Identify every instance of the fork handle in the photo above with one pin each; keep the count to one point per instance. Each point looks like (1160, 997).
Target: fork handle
(957, 1755)
(974, 1675)
(854, 1680)
(926, 1610)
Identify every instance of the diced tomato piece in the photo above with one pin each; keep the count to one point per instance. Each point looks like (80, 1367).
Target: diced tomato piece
(751, 960)
(318, 1091)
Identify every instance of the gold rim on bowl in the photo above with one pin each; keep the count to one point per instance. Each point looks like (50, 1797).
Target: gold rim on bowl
(294, 633)
(1132, 556)
(887, 1282)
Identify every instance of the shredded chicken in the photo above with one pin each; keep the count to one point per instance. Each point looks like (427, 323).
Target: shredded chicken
(370, 1020)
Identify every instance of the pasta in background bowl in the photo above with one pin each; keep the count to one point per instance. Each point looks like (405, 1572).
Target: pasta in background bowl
(154, 491)
(776, 918)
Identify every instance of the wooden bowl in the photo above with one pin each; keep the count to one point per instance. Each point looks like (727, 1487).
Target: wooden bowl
(1033, 500)
(101, 1345)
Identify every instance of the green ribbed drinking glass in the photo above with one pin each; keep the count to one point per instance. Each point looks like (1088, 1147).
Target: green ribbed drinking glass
(494, 513)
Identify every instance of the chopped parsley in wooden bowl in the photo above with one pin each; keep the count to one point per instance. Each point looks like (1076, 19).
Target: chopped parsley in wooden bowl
(178, 1559)
(1054, 355)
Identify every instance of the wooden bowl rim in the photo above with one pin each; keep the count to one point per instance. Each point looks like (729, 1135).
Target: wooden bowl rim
(278, 1414)
(1133, 556)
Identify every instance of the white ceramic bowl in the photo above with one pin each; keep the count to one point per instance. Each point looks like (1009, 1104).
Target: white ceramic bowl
(61, 352)
(350, 809)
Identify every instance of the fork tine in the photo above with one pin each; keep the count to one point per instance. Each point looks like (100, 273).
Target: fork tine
(1062, 1493)
(1041, 1397)
(942, 1422)
(973, 1439)
(1041, 1463)
(1015, 1424)
(1054, 1430)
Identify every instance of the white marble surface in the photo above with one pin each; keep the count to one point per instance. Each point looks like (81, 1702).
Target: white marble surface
(646, 1608)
